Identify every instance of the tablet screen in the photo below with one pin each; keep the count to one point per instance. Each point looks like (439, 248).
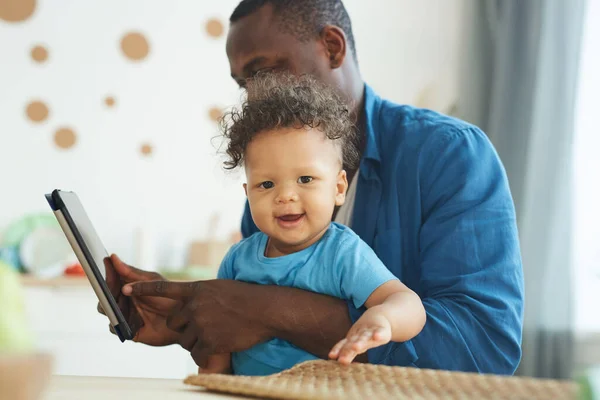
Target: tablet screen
(86, 229)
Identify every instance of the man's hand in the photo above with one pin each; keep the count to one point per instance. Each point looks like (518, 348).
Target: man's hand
(217, 364)
(146, 316)
(212, 317)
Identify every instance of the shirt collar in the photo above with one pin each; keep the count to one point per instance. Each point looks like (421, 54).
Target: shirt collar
(371, 110)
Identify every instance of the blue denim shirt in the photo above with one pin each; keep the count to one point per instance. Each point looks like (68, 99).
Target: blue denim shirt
(433, 202)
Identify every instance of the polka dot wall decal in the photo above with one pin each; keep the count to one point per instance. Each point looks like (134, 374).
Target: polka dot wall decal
(65, 138)
(109, 101)
(16, 10)
(135, 46)
(37, 111)
(214, 28)
(39, 54)
(215, 113)
(146, 149)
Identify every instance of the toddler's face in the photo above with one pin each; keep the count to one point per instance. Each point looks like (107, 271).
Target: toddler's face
(294, 181)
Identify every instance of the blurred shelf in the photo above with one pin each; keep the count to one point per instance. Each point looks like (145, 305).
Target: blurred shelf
(30, 280)
(190, 274)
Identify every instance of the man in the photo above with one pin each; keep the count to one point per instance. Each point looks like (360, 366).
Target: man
(430, 196)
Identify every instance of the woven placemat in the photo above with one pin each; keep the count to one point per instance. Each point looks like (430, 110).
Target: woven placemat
(330, 380)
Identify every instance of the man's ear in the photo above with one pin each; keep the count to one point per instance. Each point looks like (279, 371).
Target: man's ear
(334, 39)
(246, 189)
(342, 187)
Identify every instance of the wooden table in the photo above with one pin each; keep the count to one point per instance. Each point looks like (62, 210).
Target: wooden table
(96, 388)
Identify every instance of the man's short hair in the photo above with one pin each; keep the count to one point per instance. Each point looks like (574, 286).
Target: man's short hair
(305, 19)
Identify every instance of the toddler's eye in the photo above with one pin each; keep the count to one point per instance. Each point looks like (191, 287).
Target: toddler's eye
(267, 185)
(305, 179)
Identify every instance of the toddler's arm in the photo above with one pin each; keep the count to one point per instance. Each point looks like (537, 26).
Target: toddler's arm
(395, 313)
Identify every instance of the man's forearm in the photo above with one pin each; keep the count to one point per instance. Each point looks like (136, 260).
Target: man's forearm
(311, 321)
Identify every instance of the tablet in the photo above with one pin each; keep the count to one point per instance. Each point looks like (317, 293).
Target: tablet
(91, 253)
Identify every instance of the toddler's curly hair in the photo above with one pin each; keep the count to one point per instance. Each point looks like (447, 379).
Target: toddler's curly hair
(282, 100)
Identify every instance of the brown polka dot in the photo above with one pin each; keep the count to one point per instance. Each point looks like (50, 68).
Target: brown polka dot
(146, 149)
(37, 111)
(215, 113)
(109, 101)
(16, 10)
(135, 46)
(214, 28)
(39, 54)
(65, 138)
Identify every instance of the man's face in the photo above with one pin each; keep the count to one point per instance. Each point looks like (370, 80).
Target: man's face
(256, 44)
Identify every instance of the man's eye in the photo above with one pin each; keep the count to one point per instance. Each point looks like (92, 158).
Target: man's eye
(267, 185)
(305, 179)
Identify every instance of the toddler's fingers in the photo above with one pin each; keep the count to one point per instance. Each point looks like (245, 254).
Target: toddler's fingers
(360, 335)
(361, 347)
(367, 334)
(365, 337)
(346, 355)
(335, 351)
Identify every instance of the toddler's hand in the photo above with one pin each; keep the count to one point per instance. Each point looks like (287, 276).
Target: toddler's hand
(371, 330)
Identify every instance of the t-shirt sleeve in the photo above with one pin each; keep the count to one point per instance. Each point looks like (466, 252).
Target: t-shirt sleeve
(226, 267)
(360, 271)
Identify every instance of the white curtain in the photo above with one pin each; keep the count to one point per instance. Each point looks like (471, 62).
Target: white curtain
(519, 85)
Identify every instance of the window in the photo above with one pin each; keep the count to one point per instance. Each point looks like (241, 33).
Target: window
(586, 201)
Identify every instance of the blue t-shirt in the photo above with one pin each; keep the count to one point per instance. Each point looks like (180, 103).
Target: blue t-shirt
(340, 264)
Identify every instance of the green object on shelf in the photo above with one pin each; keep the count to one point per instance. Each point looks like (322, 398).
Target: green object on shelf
(589, 384)
(18, 231)
(10, 256)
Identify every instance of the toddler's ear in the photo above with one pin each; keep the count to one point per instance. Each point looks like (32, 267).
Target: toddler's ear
(342, 187)
(246, 189)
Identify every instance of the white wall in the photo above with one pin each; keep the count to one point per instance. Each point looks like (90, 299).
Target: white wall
(408, 51)
(586, 238)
